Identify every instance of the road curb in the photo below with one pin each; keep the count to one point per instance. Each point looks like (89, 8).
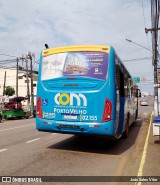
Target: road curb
(143, 158)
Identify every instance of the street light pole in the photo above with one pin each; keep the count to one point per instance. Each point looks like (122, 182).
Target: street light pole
(155, 58)
(138, 45)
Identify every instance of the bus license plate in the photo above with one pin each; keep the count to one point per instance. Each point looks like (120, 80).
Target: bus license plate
(74, 117)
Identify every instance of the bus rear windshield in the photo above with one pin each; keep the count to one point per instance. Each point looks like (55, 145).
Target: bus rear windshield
(87, 64)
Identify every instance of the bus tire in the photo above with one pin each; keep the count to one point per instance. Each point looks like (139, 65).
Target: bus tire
(126, 132)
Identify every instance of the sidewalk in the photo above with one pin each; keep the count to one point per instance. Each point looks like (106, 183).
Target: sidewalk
(144, 160)
(152, 159)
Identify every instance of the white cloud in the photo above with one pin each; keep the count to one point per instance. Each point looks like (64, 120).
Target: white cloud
(28, 25)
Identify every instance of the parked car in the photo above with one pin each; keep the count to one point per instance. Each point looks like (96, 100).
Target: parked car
(13, 113)
(15, 102)
(13, 109)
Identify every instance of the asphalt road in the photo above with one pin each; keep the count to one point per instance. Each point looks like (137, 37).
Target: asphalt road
(145, 111)
(26, 152)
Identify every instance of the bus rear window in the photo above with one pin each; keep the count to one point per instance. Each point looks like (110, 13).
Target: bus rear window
(88, 64)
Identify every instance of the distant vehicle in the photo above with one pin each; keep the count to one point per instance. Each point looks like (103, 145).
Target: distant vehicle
(144, 102)
(14, 113)
(144, 94)
(150, 94)
(13, 109)
(15, 102)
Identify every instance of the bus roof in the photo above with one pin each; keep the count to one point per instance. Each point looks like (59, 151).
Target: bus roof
(100, 48)
(51, 51)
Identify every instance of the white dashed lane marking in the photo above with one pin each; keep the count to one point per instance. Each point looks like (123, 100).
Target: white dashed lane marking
(54, 134)
(32, 140)
(2, 150)
(16, 127)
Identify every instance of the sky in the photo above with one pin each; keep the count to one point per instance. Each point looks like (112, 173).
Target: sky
(29, 25)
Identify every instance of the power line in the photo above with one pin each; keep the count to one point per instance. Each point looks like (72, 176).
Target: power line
(137, 59)
(8, 60)
(6, 67)
(7, 55)
(145, 24)
(143, 15)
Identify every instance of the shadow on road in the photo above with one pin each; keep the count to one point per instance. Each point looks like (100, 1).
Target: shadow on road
(100, 145)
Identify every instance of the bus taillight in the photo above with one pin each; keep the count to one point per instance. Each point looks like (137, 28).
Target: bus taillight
(107, 114)
(39, 108)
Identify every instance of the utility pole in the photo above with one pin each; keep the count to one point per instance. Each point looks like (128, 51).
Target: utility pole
(30, 55)
(31, 73)
(17, 79)
(155, 61)
(28, 93)
(154, 31)
(17, 83)
(4, 86)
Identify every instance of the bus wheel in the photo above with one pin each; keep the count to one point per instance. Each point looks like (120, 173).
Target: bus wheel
(126, 133)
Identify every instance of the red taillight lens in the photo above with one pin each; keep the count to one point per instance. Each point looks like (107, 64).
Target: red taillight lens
(107, 114)
(39, 108)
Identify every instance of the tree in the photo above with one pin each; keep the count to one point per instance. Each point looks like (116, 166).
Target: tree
(9, 91)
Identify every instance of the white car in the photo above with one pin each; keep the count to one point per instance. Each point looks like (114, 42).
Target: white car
(144, 102)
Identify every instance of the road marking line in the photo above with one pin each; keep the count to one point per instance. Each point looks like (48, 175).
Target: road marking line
(140, 171)
(2, 150)
(121, 166)
(54, 134)
(16, 127)
(32, 140)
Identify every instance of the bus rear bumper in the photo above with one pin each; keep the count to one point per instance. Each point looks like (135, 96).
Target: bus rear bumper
(105, 128)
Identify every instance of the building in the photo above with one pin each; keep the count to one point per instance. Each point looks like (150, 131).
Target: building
(22, 81)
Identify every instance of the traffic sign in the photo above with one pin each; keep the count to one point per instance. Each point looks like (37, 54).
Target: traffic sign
(143, 79)
(136, 79)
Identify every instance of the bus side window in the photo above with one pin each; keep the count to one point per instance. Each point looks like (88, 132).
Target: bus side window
(122, 93)
(117, 78)
(126, 87)
(130, 88)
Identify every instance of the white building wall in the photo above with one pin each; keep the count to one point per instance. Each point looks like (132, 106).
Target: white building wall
(11, 81)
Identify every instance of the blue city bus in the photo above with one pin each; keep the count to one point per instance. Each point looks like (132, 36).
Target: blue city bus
(85, 90)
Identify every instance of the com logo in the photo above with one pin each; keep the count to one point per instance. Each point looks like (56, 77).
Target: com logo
(70, 99)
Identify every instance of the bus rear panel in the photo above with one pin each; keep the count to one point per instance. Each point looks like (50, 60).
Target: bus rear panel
(76, 91)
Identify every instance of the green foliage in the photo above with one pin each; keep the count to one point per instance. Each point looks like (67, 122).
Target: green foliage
(9, 91)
